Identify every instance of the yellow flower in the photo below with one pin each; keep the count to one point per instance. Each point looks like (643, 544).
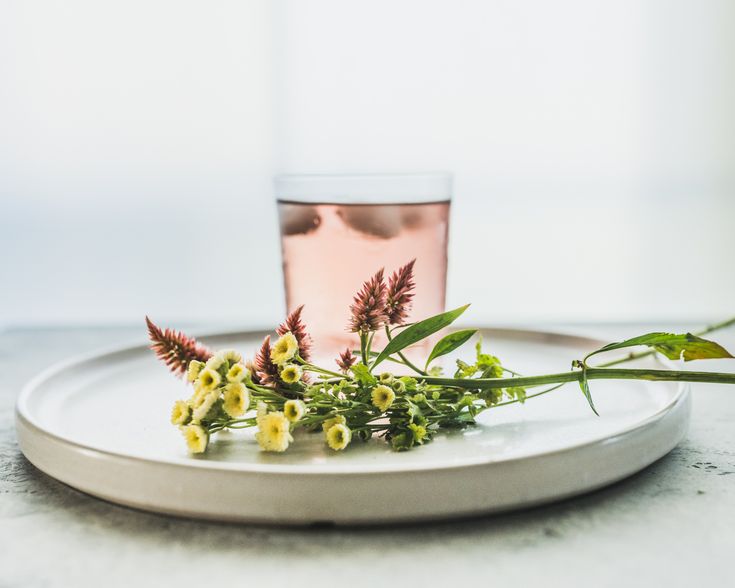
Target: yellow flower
(209, 378)
(385, 378)
(192, 371)
(329, 423)
(284, 349)
(230, 355)
(203, 406)
(339, 437)
(294, 410)
(196, 438)
(273, 432)
(398, 386)
(216, 361)
(291, 373)
(198, 396)
(237, 399)
(180, 413)
(383, 397)
(237, 373)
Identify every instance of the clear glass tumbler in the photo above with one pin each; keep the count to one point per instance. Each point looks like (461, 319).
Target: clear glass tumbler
(337, 230)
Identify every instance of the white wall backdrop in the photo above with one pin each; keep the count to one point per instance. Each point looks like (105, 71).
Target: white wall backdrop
(136, 157)
(593, 145)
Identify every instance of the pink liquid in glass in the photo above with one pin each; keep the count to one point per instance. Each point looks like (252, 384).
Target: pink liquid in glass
(329, 250)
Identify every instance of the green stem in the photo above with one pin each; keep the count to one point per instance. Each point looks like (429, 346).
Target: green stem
(266, 391)
(314, 368)
(374, 354)
(592, 374)
(369, 343)
(627, 358)
(633, 356)
(507, 402)
(363, 348)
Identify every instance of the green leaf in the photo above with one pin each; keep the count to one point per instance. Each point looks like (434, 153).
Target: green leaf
(419, 331)
(363, 375)
(465, 370)
(585, 385)
(518, 393)
(686, 347)
(409, 382)
(450, 343)
(465, 418)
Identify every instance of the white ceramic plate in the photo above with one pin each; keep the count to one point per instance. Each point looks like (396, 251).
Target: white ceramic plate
(100, 424)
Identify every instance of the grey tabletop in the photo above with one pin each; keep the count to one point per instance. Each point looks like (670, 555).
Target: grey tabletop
(672, 524)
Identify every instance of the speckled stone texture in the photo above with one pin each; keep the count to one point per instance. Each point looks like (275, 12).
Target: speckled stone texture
(671, 525)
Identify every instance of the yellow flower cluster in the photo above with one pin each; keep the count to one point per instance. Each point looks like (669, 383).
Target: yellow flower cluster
(219, 393)
(285, 355)
(222, 389)
(274, 428)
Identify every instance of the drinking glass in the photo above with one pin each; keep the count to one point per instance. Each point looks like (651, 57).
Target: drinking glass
(338, 230)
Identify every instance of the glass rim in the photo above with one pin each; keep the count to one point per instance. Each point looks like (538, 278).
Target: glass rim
(364, 188)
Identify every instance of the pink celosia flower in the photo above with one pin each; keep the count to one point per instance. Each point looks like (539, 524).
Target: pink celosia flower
(346, 360)
(174, 348)
(400, 294)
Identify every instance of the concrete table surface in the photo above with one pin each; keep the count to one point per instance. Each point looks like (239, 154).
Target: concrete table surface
(672, 524)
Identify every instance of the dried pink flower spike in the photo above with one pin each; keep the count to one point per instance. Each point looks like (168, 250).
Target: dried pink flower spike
(267, 370)
(346, 360)
(368, 308)
(174, 348)
(296, 327)
(400, 294)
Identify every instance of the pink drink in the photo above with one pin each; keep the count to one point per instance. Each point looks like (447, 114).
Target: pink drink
(329, 250)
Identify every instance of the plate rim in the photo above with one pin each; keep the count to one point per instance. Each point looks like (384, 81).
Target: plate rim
(24, 418)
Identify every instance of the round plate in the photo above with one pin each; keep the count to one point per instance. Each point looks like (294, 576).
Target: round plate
(100, 424)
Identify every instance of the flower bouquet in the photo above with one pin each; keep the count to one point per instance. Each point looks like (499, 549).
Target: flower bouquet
(281, 390)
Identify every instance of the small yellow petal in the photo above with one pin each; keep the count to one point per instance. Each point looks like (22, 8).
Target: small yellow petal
(193, 369)
(329, 423)
(230, 355)
(216, 361)
(274, 432)
(237, 373)
(196, 437)
(202, 409)
(291, 373)
(339, 437)
(284, 349)
(294, 410)
(180, 413)
(237, 399)
(209, 379)
(383, 397)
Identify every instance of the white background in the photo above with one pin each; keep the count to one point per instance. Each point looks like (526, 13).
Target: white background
(593, 144)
